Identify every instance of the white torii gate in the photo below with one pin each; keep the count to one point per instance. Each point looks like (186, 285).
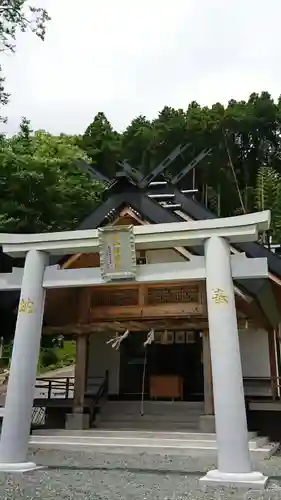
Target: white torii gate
(218, 267)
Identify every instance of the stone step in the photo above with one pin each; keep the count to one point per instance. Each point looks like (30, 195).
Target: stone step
(155, 407)
(131, 434)
(125, 417)
(140, 441)
(259, 447)
(146, 413)
(150, 425)
(127, 414)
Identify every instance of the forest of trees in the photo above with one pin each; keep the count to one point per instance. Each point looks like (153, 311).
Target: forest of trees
(42, 187)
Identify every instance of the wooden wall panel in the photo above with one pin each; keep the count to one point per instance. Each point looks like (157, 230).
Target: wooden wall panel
(60, 306)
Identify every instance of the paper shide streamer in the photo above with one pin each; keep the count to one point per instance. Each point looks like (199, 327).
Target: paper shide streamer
(115, 344)
(116, 341)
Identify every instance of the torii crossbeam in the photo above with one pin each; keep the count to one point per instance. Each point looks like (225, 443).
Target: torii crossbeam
(215, 235)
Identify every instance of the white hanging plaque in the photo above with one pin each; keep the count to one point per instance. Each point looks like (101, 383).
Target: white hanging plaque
(117, 252)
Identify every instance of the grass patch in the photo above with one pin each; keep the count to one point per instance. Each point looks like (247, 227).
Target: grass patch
(57, 357)
(51, 358)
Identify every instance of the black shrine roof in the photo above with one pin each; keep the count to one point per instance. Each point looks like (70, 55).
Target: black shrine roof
(158, 199)
(146, 196)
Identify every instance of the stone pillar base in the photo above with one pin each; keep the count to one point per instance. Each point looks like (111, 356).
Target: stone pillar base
(253, 480)
(19, 468)
(77, 421)
(207, 424)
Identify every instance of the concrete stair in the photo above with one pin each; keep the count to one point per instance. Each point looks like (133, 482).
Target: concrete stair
(166, 428)
(158, 415)
(149, 442)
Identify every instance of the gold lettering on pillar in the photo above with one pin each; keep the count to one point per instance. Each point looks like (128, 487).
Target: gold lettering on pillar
(219, 297)
(26, 306)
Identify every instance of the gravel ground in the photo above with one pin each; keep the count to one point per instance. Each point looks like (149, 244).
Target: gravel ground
(91, 476)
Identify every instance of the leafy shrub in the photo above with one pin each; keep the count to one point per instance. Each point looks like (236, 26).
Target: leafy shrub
(50, 368)
(48, 357)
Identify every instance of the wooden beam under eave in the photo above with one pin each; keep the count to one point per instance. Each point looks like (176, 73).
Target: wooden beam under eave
(127, 211)
(114, 326)
(158, 324)
(84, 296)
(137, 326)
(176, 310)
(253, 312)
(274, 279)
(71, 260)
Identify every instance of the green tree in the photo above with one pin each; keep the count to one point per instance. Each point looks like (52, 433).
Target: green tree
(41, 187)
(52, 193)
(268, 197)
(4, 96)
(243, 136)
(252, 133)
(15, 16)
(139, 143)
(102, 145)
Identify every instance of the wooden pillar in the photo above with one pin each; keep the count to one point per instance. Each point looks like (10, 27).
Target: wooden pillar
(273, 362)
(207, 370)
(84, 298)
(80, 373)
(142, 295)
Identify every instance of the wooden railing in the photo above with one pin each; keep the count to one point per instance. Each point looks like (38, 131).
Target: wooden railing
(60, 391)
(51, 388)
(97, 388)
(270, 385)
(63, 388)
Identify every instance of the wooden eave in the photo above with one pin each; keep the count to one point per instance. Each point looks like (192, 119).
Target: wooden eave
(65, 314)
(61, 304)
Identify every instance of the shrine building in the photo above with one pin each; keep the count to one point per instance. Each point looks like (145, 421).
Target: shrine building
(176, 315)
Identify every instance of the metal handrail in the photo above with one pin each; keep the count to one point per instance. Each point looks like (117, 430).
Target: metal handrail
(103, 389)
(101, 393)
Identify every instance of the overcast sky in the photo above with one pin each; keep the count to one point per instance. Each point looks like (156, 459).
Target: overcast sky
(132, 57)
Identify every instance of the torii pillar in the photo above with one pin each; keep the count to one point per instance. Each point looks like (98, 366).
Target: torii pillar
(218, 268)
(23, 371)
(234, 465)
